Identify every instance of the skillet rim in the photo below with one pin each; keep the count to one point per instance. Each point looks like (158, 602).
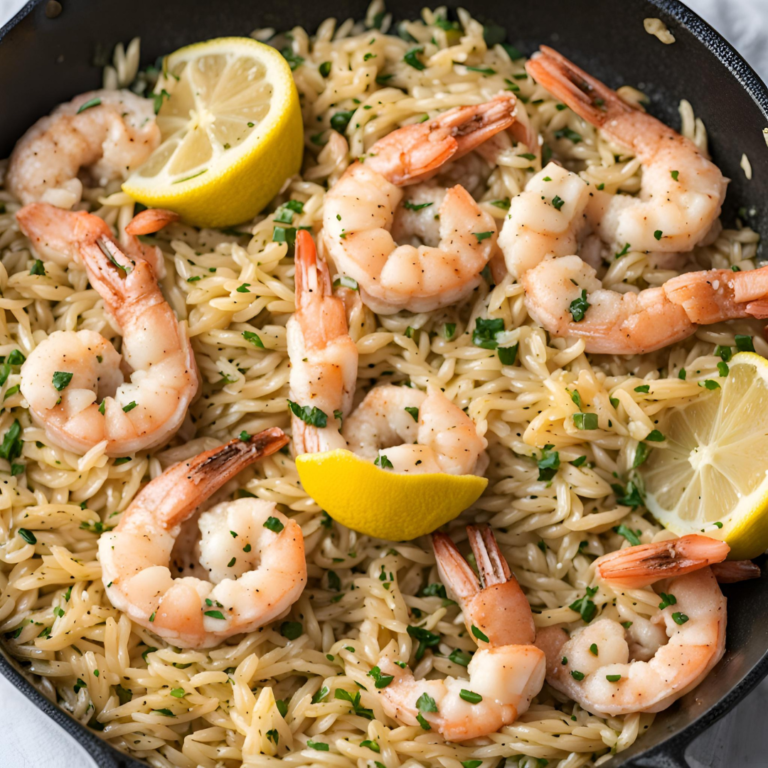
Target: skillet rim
(669, 753)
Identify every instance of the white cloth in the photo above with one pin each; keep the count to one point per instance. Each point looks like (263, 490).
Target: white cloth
(29, 739)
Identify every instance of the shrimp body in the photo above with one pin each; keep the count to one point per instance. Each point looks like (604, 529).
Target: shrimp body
(73, 380)
(558, 214)
(506, 673)
(255, 576)
(608, 681)
(634, 323)
(322, 353)
(418, 432)
(360, 210)
(681, 192)
(109, 139)
(537, 227)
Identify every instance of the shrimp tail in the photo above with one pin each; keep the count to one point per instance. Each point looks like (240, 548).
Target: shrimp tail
(733, 571)
(313, 280)
(585, 95)
(471, 126)
(175, 494)
(648, 563)
(719, 294)
(415, 153)
(454, 570)
(491, 565)
(151, 220)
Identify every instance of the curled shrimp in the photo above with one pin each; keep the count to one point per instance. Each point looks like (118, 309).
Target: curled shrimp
(565, 296)
(322, 353)
(678, 205)
(593, 665)
(360, 209)
(106, 133)
(407, 430)
(505, 673)
(402, 429)
(681, 191)
(73, 380)
(253, 553)
(47, 226)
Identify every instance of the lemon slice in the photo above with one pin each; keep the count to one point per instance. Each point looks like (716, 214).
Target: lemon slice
(712, 476)
(387, 505)
(231, 132)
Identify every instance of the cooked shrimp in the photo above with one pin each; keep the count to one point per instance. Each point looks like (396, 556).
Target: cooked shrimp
(398, 428)
(322, 353)
(565, 296)
(681, 191)
(256, 575)
(593, 665)
(679, 203)
(52, 239)
(504, 675)
(147, 222)
(73, 380)
(407, 430)
(536, 227)
(360, 209)
(106, 133)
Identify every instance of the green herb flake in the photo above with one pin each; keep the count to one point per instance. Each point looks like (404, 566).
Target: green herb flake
(380, 680)
(28, 536)
(412, 58)
(508, 355)
(291, 629)
(578, 307)
(409, 206)
(61, 380)
(479, 634)
(413, 411)
(585, 421)
(666, 600)
(628, 534)
(486, 331)
(470, 696)
(95, 102)
(548, 464)
(744, 343)
(462, 658)
(309, 414)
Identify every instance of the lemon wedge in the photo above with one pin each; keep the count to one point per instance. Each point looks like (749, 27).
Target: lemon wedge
(712, 476)
(383, 504)
(231, 133)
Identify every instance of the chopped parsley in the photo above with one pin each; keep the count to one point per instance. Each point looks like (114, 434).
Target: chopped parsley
(309, 414)
(486, 331)
(585, 420)
(61, 380)
(274, 525)
(578, 307)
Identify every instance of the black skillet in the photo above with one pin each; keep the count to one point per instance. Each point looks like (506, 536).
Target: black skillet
(45, 61)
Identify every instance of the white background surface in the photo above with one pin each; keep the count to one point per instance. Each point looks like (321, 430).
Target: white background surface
(28, 739)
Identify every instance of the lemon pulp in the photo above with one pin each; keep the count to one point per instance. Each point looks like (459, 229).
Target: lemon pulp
(712, 474)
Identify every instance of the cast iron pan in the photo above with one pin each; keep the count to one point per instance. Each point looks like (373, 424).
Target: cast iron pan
(45, 61)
